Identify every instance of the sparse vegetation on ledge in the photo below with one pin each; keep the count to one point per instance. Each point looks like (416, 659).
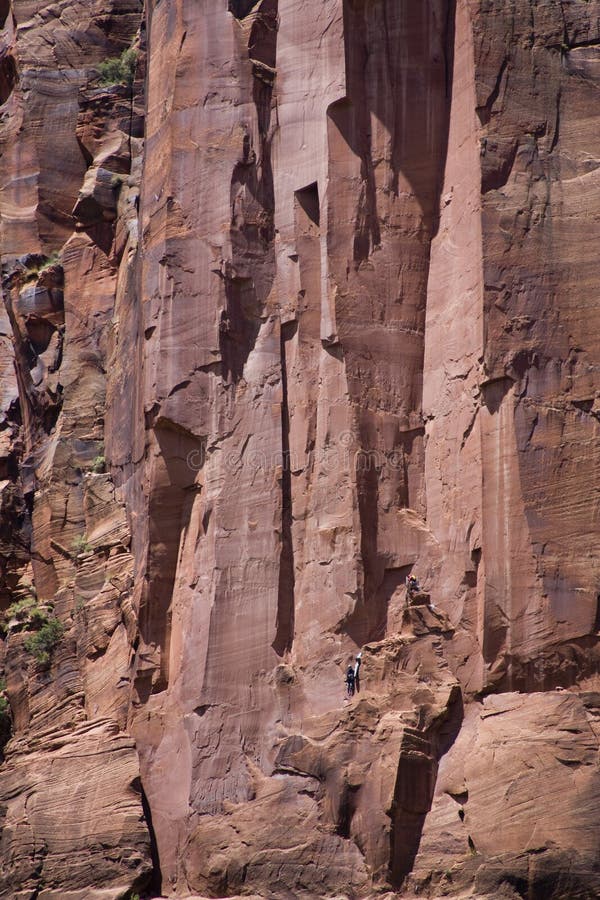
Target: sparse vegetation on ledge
(46, 631)
(25, 612)
(98, 464)
(41, 643)
(80, 544)
(119, 69)
(34, 269)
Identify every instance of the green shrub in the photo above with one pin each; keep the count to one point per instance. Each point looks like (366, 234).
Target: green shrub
(20, 609)
(34, 270)
(52, 260)
(98, 464)
(46, 631)
(80, 544)
(25, 611)
(41, 643)
(119, 69)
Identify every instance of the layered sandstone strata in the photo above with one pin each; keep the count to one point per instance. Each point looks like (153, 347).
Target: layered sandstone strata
(306, 306)
(73, 822)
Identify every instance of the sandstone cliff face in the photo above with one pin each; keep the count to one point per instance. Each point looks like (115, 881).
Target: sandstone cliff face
(305, 304)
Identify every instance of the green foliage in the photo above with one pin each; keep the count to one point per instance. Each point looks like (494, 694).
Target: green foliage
(4, 707)
(80, 544)
(119, 69)
(41, 643)
(98, 464)
(20, 609)
(46, 630)
(52, 260)
(34, 270)
(25, 611)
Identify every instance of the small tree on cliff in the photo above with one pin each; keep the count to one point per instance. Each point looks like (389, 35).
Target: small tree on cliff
(119, 69)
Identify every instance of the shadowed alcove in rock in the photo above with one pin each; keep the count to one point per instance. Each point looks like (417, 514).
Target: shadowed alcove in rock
(172, 492)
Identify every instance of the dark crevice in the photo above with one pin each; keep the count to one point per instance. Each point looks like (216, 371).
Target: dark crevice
(485, 112)
(308, 199)
(8, 77)
(449, 47)
(471, 575)
(469, 429)
(576, 45)
(240, 8)
(154, 885)
(597, 616)
(285, 602)
(496, 176)
(346, 809)
(4, 12)
(556, 134)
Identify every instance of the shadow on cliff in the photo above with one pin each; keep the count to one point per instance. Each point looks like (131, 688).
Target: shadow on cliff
(252, 236)
(369, 619)
(169, 509)
(399, 74)
(287, 582)
(396, 74)
(250, 274)
(415, 785)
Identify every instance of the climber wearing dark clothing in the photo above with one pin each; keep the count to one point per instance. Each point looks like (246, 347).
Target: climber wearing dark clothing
(350, 681)
(412, 585)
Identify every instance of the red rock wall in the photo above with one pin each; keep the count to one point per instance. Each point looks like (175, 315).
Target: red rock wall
(321, 314)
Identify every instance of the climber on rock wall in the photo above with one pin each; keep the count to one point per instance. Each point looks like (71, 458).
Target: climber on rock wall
(412, 586)
(350, 682)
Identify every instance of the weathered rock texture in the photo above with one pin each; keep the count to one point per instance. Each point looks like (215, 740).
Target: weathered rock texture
(307, 305)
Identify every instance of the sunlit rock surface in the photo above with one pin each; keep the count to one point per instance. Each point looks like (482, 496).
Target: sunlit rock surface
(302, 303)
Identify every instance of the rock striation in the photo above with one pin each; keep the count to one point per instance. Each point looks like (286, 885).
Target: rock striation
(298, 300)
